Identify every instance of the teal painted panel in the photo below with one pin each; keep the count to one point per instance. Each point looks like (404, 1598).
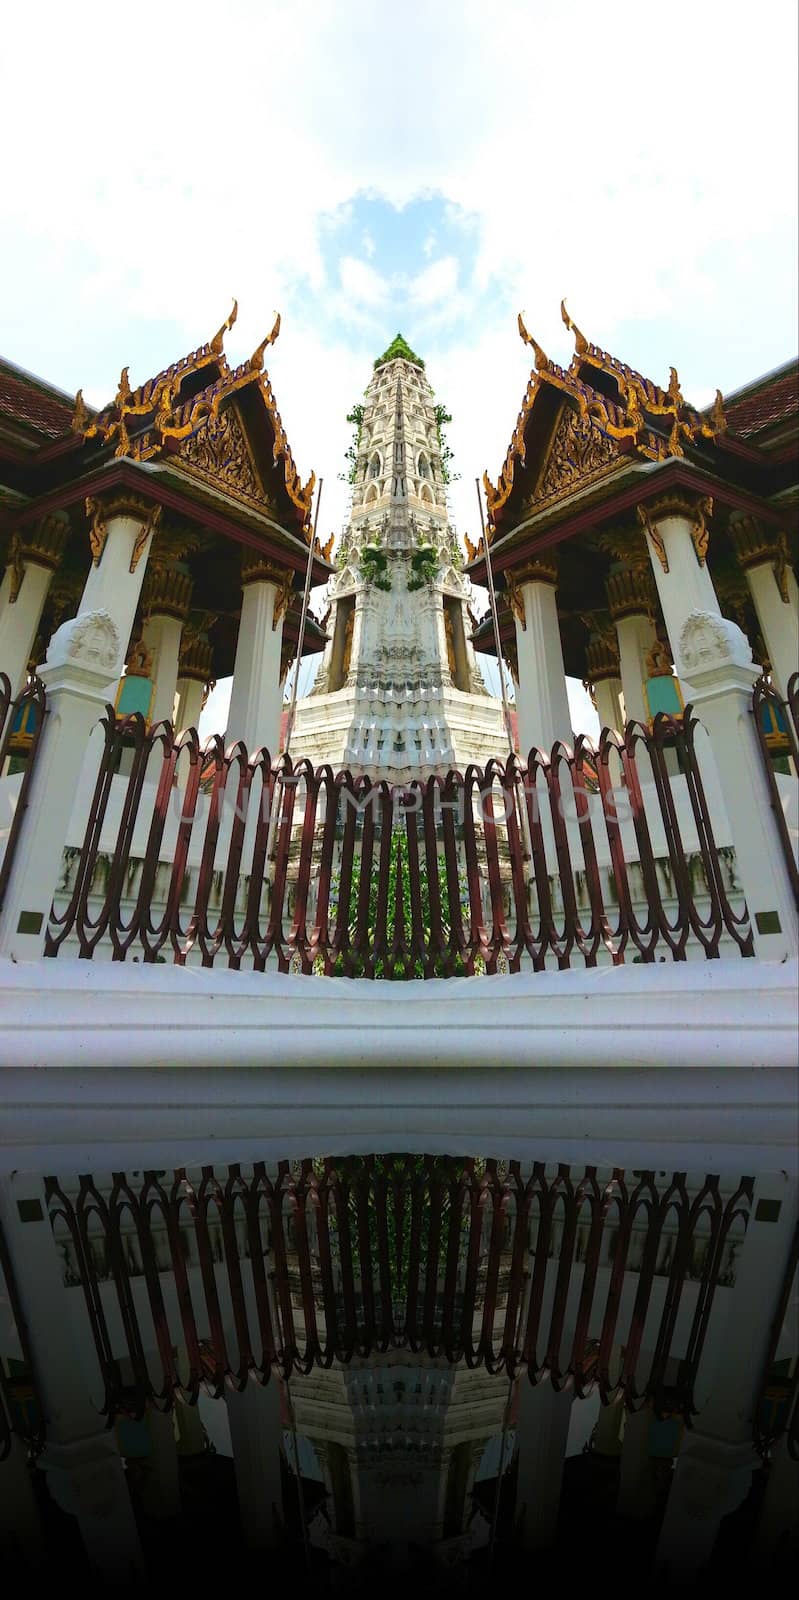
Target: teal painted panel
(135, 694)
(662, 694)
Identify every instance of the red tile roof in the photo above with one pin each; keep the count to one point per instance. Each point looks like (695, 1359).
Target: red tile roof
(27, 401)
(761, 406)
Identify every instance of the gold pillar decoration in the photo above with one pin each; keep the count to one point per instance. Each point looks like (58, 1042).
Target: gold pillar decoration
(100, 512)
(754, 546)
(602, 650)
(166, 592)
(630, 592)
(259, 569)
(196, 656)
(696, 509)
(541, 569)
(42, 545)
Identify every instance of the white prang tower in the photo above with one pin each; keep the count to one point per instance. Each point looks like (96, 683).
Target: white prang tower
(398, 693)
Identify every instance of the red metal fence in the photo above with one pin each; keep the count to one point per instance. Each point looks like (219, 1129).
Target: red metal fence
(214, 856)
(455, 1258)
(777, 723)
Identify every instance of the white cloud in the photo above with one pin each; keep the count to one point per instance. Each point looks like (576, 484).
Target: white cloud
(362, 283)
(437, 282)
(645, 169)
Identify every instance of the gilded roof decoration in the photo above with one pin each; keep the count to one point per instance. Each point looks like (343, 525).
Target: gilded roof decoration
(637, 414)
(141, 422)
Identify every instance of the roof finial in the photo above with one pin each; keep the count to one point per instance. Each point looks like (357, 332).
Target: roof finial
(81, 414)
(124, 390)
(541, 360)
(257, 357)
(717, 415)
(674, 390)
(217, 343)
(580, 341)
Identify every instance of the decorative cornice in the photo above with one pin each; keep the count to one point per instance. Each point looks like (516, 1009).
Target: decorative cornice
(101, 513)
(601, 651)
(690, 508)
(44, 545)
(196, 657)
(630, 593)
(166, 592)
(540, 569)
(755, 546)
(259, 569)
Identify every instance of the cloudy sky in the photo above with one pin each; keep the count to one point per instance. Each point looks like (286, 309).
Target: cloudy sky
(364, 168)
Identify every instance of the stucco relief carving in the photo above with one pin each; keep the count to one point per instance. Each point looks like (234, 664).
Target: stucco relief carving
(90, 641)
(708, 641)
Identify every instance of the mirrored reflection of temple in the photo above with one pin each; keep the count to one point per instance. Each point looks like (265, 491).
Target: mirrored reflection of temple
(397, 1150)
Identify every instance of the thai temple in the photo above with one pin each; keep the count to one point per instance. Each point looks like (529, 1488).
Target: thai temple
(398, 1102)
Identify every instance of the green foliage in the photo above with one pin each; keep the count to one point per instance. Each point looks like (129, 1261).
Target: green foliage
(374, 566)
(442, 419)
(399, 849)
(355, 418)
(424, 566)
(398, 350)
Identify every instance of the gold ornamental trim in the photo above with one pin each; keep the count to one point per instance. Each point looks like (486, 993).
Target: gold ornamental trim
(630, 593)
(45, 544)
(259, 569)
(166, 592)
(691, 508)
(101, 513)
(601, 651)
(754, 547)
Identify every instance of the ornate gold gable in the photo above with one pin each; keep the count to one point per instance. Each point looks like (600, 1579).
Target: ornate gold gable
(655, 423)
(220, 453)
(579, 452)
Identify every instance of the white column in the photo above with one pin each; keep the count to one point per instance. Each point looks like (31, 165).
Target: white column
(19, 620)
(779, 1513)
(543, 1431)
(606, 1439)
(609, 703)
(21, 1532)
(714, 1467)
(23, 593)
(191, 693)
(636, 1496)
(631, 601)
(772, 585)
(82, 664)
(166, 597)
(256, 1433)
(714, 661)
(161, 635)
(256, 699)
(676, 536)
(542, 703)
(85, 1474)
(161, 1488)
(121, 534)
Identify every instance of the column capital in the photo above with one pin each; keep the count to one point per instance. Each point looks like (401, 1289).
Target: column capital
(259, 569)
(692, 508)
(630, 592)
(196, 657)
(601, 651)
(166, 592)
(755, 546)
(44, 544)
(101, 511)
(539, 570)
